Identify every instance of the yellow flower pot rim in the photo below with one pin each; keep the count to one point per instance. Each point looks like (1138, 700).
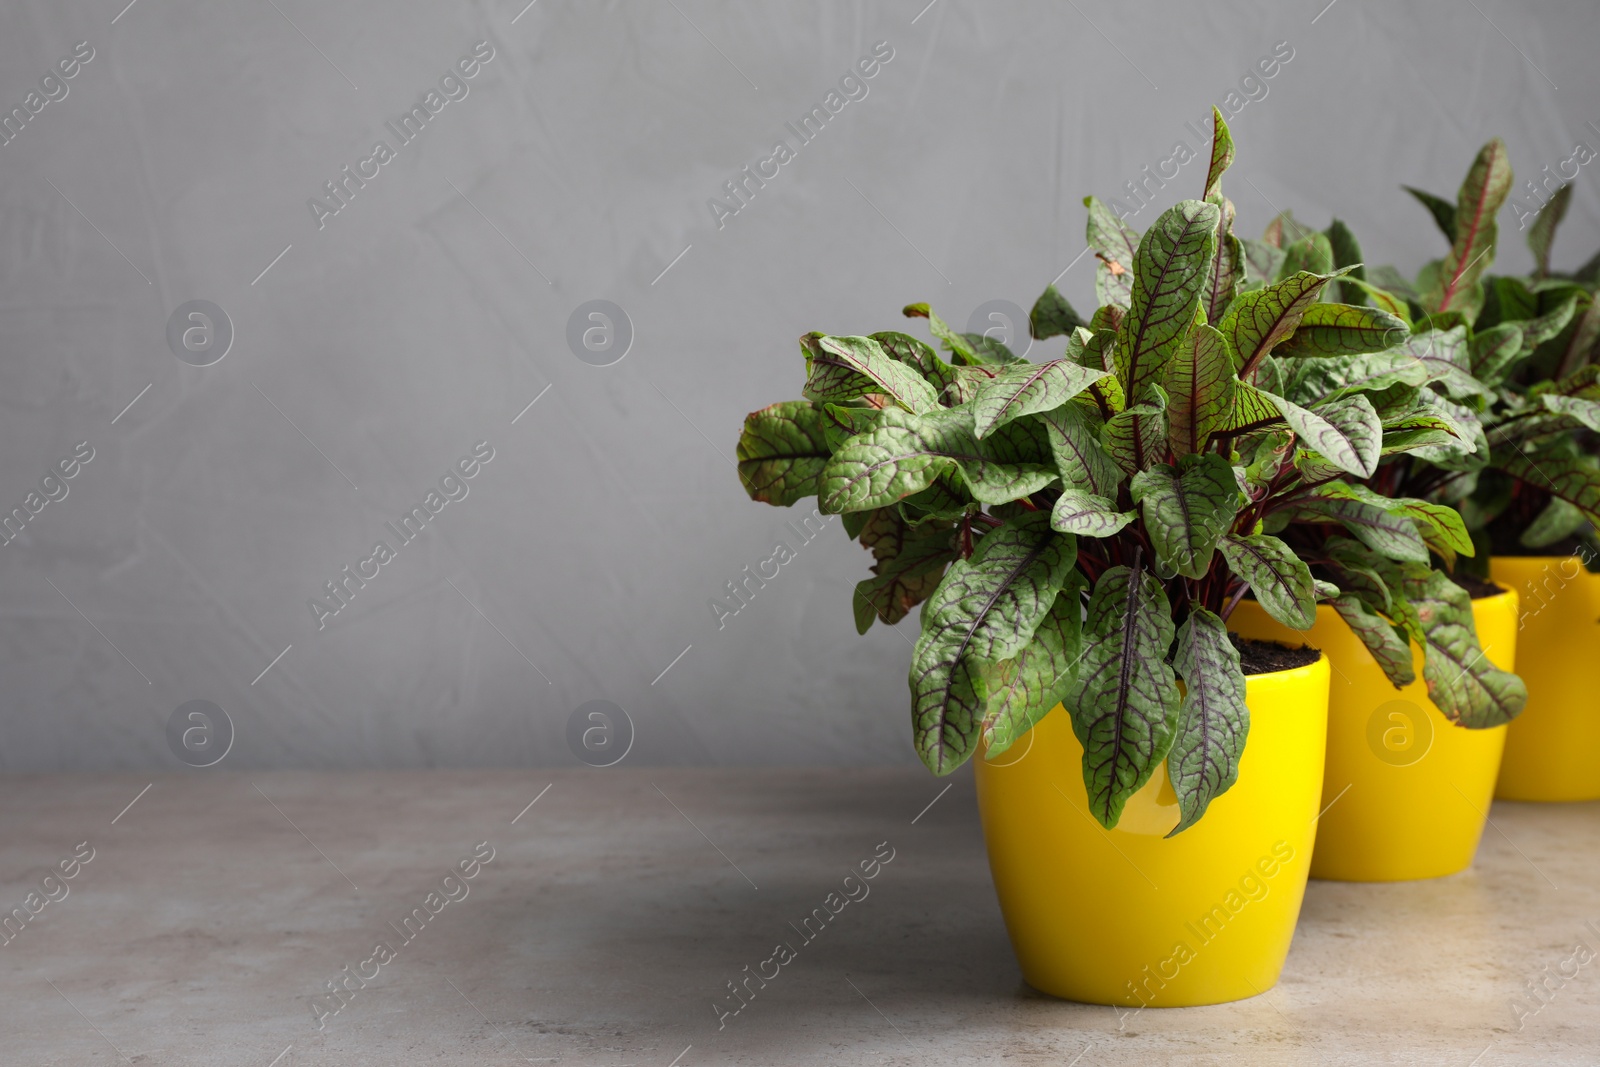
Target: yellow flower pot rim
(1504, 592)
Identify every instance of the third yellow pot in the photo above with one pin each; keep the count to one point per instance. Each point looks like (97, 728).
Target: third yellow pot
(1407, 791)
(1553, 747)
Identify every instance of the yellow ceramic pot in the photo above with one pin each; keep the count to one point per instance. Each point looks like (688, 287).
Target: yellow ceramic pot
(1406, 790)
(1131, 918)
(1553, 747)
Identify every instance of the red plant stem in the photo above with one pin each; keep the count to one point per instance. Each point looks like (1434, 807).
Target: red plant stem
(1234, 602)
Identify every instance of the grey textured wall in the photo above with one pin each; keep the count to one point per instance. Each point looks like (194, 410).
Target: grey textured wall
(433, 307)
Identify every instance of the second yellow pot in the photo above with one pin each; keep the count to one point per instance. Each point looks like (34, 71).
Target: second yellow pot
(1130, 917)
(1406, 791)
(1553, 747)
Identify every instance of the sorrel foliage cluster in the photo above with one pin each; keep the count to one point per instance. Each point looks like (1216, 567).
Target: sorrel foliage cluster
(1078, 531)
(1519, 358)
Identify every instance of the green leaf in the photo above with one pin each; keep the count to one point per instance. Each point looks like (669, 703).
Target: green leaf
(1541, 328)
(1357, 423)
(1346, 253)
(1092, 351)
(1078, 512)
(1272, 375)
(1343, 330)
(1221, 154)
(1078, 342)
(1471, 449)
(991, 350)
(1136, 437)
(1393, 281)
(1585, 411)
(1585, 383)
(883, 532)
(1284, 230)
(1558, 520)
(1227, 260)
(1434, 521)
(1026, 388)
(910, 561)
(1107, 395)
(1576, 481)
(1439, 524)
(1402, 614)
(1504, 300)
(855, 522)
(1227, 276)
(1169, 273)
(1580, 342)
(1259, 320)
(1362, 582)
(959, 345)
(946, 499)
(1264, 457)
(1116, 245)
(843, 368)
(1124, 700)
(1461, 681)
(1442, 210)
(1316, 377)
(905, 454)
(1213, 720)
(919, 356)
(1027, 687)
(1052, 315)
(840, 422)
(1081, 460)
(1199, 387)
(1440, 320)
(1457, 286)
(1543, 231)
(985, 611)
(1392, 536)
(1311, 254)
(782, 452)
(1253, 409)
(966, 381)
(1262, 263)
(1346, 431)
(1533, 434)
(1351, 287)
(1389, 646)
(1279, 579)
(881, 468)
(1107, 317)
(1445, 354)
(1187, 508)
(1493, 352)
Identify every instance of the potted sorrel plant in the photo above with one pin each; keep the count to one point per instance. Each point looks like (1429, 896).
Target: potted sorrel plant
(1077, 533)
(1416, 733)
(1523, 360)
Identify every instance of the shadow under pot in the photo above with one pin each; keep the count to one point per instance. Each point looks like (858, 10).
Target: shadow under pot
(1553, 747)
(1130, 917)
(1406, 791)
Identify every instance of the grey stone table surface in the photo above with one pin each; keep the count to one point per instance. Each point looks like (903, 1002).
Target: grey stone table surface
(204, 924)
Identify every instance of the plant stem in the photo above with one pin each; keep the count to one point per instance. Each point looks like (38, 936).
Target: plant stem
(1227, 611)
